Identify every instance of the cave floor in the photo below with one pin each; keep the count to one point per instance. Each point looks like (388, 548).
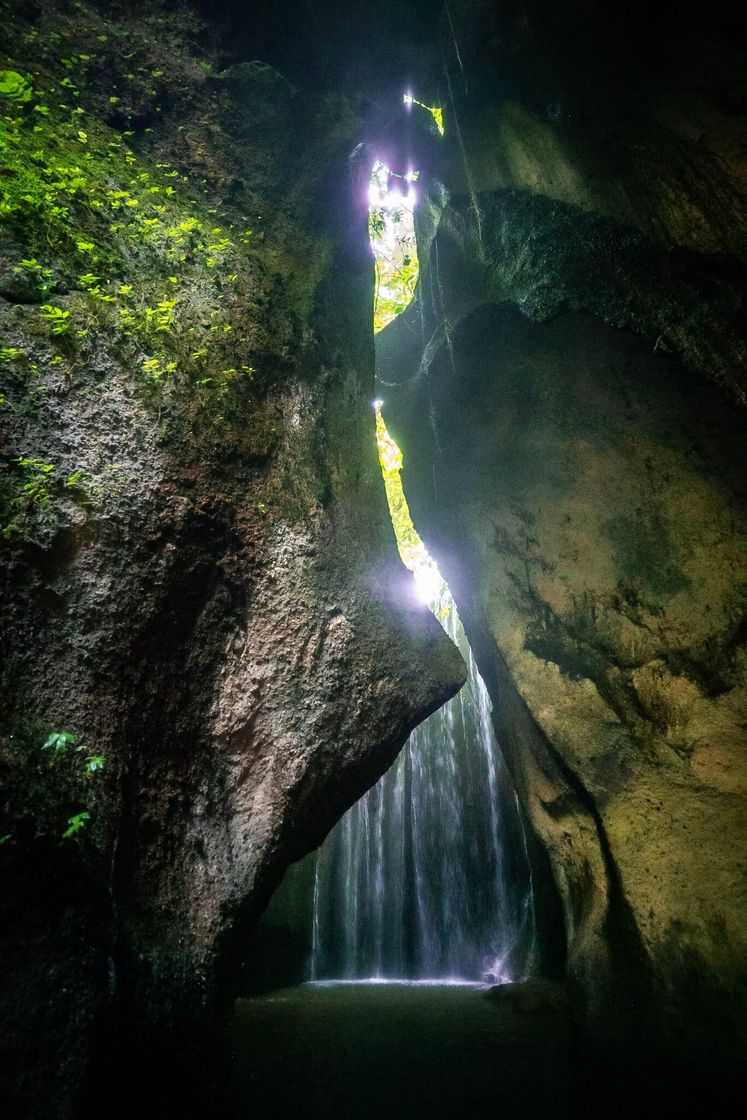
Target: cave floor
(401, 1051)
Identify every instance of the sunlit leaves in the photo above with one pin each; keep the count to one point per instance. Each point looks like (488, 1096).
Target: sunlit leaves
(75, 824)
(58, 741)
(57, 317)
(392, 232)
(430, 584)
(15, 87)
(435, 111)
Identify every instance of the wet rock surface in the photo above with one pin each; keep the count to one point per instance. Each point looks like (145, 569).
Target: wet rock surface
(579, 478)
(200, 583)
(205, 593)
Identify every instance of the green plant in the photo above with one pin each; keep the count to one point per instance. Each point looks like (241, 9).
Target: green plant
(40, 484)
(80, 199)
(10, 354)
(435, 111)
(57, 317)
(75, 824)
(38, 475)
(15, 87)
(392, 234)
(161, 317)
(62, 741)
(59, 741)
(154, 369)
(41, 276)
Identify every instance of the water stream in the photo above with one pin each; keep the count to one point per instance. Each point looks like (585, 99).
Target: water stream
(427, 876)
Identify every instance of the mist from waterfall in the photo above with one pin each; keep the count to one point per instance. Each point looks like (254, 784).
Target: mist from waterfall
(427, 876)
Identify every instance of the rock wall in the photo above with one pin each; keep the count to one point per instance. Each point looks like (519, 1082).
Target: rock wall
(567, 391)
(210, 646)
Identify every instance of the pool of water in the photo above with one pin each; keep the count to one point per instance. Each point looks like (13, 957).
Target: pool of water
(402, 1050)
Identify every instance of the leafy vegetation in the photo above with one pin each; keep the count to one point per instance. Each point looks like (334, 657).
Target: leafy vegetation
(75, 824)
(56, 788)
(36, 488)
(435, 111)
(15, 87)
(10, 354)
(413, 552)
(122, 259)
(392, 232)
(141, 258)
(57, 318)
(58, 741)
(40, 276)
(31, 490)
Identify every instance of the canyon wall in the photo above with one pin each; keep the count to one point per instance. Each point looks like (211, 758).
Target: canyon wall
(568, 392)
(210, 647)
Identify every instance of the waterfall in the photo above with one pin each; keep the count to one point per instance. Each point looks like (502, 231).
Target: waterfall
(427, 876)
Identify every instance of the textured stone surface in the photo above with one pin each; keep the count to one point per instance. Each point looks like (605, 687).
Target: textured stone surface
(218, 609)
(591, 526)
(223, 617)
(580, 479)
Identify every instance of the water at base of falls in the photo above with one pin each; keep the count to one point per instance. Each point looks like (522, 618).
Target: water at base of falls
(427, 876)
(436, 982)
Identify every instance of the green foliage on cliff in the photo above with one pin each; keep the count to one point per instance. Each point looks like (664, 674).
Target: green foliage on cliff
(430, 584)
(124, 244)
(138, 259)
(61, 774)
(15, 87)
(392, 232)
(435, 111)
(31, 487)
(121, 273)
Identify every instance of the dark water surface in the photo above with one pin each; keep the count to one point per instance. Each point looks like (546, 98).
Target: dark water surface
(395, 1051)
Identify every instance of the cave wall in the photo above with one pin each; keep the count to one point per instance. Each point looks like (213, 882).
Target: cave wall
(568, 392)
(201, 583)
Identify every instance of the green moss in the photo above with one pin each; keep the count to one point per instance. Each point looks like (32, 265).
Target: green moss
(117, 245)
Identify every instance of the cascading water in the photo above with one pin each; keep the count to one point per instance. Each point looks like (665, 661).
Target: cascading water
(427, 876)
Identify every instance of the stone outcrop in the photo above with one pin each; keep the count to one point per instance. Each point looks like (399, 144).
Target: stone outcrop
(567, 393)
(204, 615)
(209, 647)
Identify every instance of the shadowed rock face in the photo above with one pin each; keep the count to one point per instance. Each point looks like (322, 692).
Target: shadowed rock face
(582, 487)
(217, 608)
(591, 526)
(208, 594)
